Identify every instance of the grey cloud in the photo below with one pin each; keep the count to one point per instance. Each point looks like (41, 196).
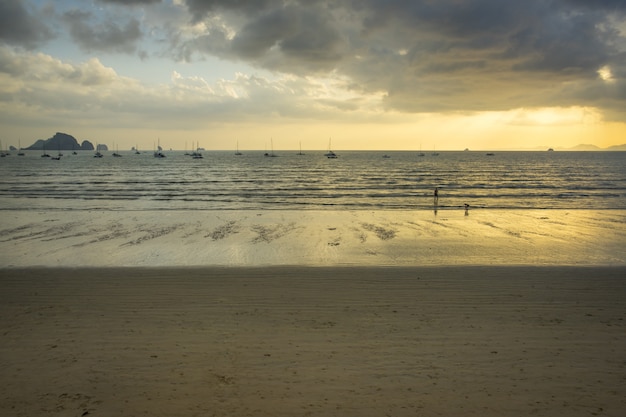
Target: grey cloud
(130, 2)
(488, 55)
(564, 43)
(19, 27)
(608, 5)
(316, 40)
(448, 17)
(286, 38)
(541, 35)
(523, 51)
(257, 37)
(200, 8)
(304, 36)
(214, 42)
(106, 36)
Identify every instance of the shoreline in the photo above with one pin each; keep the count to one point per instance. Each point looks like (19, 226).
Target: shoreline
(170, 270)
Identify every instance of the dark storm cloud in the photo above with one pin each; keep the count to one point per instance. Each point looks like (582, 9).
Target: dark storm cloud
(277, 35)
(489, 54)
(551, 35)
(106, 36)
(448, 17)
(303, 36)
(258, 36)
(609, 5)
(574, 42)
(19, 27)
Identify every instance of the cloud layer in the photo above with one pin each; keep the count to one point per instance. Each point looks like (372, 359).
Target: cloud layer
(426, 56)
(412, 56)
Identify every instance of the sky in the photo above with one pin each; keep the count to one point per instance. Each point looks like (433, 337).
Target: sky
(364, 74)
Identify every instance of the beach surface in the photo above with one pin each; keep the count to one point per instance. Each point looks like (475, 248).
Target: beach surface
(312, 238)
(313, 313)
(313, 341)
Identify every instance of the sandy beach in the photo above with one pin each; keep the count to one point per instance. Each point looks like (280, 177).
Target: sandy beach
(299, 341)
(313, 313)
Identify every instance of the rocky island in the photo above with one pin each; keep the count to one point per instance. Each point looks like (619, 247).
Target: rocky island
(61, 141)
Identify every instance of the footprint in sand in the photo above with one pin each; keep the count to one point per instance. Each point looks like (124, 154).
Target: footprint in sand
(381, 232)
(224, 230)
(270, 233)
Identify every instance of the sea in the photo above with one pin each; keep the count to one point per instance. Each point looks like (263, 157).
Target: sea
(292, 180)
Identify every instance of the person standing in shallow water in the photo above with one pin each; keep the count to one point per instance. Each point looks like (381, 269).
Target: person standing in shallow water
(436, 194)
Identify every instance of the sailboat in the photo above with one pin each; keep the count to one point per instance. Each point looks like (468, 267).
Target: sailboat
(272, 154)
(300, 153)
(58, 157)
(196, 154)
(159, 152)
(3, 153)
(237, 151)
(98, 154)
(44, 154)
(330, 154)
(20, 152)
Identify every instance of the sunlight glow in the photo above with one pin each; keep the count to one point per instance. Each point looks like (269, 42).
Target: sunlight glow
(554, 116)
(606, 74)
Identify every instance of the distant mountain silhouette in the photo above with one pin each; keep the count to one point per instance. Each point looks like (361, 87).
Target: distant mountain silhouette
(589, 147)
(61, 141)
(584, 147)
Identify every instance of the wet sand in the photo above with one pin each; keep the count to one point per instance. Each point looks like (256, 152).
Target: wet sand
(312, 238)
(324, 341)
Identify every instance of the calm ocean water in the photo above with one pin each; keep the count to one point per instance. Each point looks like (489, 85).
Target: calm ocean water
(355, 180)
